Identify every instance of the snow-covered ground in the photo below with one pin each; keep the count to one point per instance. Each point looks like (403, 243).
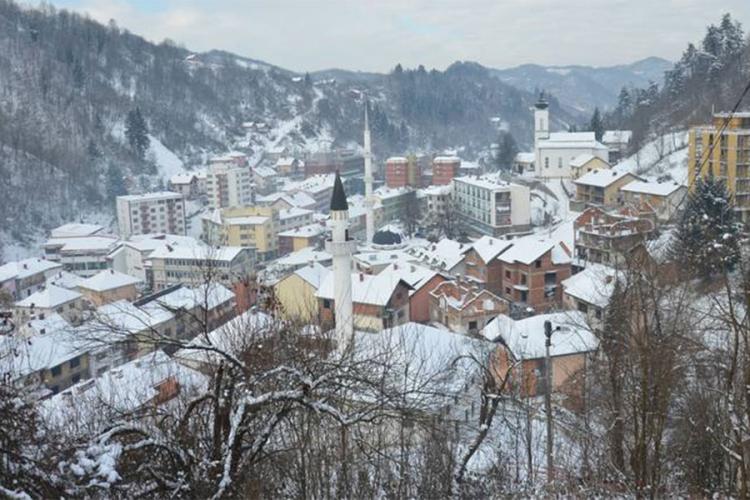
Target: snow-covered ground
(167, 163)
(664, 156)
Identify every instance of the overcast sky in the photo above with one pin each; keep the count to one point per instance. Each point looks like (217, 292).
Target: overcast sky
(374, 35)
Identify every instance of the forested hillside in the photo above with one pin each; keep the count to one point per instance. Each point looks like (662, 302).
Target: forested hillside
(709, 75)
(67, 85)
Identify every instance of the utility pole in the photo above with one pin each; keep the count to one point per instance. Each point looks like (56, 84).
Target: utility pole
(548, 397)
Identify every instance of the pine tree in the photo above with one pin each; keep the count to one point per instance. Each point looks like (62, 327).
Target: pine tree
(596, 124)
(707, 240)
(506, 151)
(115, 183)
(136, 132)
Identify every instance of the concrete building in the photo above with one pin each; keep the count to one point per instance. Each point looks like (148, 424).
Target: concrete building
(161, 212)
(109, 286)
(52, 300)
(296, 293)
(608, 237)
(435, 202)
(589, 292)
(490, 206)
(229, 185)
(617, 141)
(464, 308)
(726, 156)
(84, 256)
(445, 169)
(601, 188)
(298, 238)
(317, 187)
(129, 258)
(185, 183)
(585, 163)
(483, 268)
(254, 226)
(402, 172)
(192, 266)
(395, 204)
(25, 277)
(664, 197)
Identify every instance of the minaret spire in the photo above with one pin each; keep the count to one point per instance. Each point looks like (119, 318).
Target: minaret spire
(340, 246)
(369, 217)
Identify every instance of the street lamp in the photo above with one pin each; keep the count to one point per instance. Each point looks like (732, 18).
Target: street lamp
(548, 393)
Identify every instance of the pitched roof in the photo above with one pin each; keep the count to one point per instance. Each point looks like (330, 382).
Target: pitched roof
(603, 177)
(49, 298)
(109, 279)
(25, 268)
(314, 274)
(652, 187)
(526, 340)
(366, 289)
(488, 247)
(529, 248)
(593, 285)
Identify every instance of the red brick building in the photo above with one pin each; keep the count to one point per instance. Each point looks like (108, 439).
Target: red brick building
(482, 265)
(465, 308)
(444, 169)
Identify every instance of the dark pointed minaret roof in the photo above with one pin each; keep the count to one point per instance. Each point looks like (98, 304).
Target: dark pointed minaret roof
(542, 102)
(338, 199)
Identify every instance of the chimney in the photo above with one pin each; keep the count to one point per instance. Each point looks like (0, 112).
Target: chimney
(25, 266)
(395, 265)
(361, 277)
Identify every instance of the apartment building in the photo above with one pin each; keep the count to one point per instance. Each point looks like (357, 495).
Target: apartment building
(444, 169)
(161, 212)
(402, 172)
(601, 188)
(607, 237)
(229, 185)
(21, 279)
(726, 156)
(254, 226)
(83, 256)
(487, 205)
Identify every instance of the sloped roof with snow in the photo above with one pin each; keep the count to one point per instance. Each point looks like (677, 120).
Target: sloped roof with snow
(49, 298)
(488, 247)
(445, 254)
(25, 268)
(593, 285)
(210, 295)
(38, 352)
(314, 274)
(366, 289)
(603, 178)
(571, 140)
(64, 279)
(525, 157)
(652, 187)
(108, 279)
(526, 340)
(615, 136)
(308, 231)
(75, 229)
(223, 253)
(583, 159)
(527, 249)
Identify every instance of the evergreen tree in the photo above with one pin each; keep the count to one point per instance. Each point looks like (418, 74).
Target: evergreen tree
(596, 124)
(136, 132)
(506, 151)
(115, 182)
(708, 236)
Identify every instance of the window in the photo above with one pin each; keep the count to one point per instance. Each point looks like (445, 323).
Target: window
(472, 326)
(76, 378)
(546, 162)
(583, 307)
(507, 274)
(538, 264)
(56, 371)
(326, 304)
(507, 290)
(559, 162)
(75, 362)
(523, 279)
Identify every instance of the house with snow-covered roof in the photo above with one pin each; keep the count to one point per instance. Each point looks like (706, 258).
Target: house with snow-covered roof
(617, 141)
(601, 188)
(51, 300)
(521, 347)
(109, 286)
(585, 163)
(608, 237)
(482, 265)
(24, 277)
(463, 307)
(296, 292)
(664, 197)
(445, 255)
(82, 255)
(185, 183)
(589, 291)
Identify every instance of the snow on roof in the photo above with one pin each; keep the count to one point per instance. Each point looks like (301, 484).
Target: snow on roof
(439, 190)
(526, 340)
(123, 317)
(120, 390)
(313, 184)
(526, 157)
(210, 295)
(486, 181)
(446, 159)
(396, 159)
(148, 242)
(593, 285)
(109, 279)
(64, 279)
(582, 159)
(309, 231)
(384, 192)
(440, 363)
(25, 268)
(233, 338)
(223, 253)
(445, 254)
(182, 178)
(488, 247)
(574, 140)
(602, 178)
(50, 323)
(285, 161)
(38, 352)
(616, 136)
(314, 274)
(383, 257)
(366, 288)
(265, 171)
(157, 195)
(416, 276)
(84, 244)
(75, 229)
(290, 213)
(49, 298)
(529, 248)
(297, 199)
(302, 257)
(250, 220)
(652, 187)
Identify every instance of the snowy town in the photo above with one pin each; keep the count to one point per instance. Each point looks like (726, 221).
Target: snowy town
(272, 321)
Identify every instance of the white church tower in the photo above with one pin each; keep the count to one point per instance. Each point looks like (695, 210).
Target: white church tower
(541, 119)
(340, 246)
(369, 216)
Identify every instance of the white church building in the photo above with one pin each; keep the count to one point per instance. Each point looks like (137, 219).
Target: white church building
(554, 151)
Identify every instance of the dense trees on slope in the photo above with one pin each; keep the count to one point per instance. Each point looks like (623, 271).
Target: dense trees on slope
(707, 76)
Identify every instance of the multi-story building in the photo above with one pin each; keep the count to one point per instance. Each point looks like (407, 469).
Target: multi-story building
(490, 206)
(402, 172)
(601, 188)
(162, 212)
(444, 169)
(194, 266)
(464, 308)
(185, 183)
(617, 141)
(395, 203)
(265, 180)
(482, 266)
(664, 197)
(109, 286)
(129, 257)
(229, 185)
(298, 238)
(726, 156)
(21, 279)
(317, 187)
(83, 256)
(255, 226)
(292, 218)
(607, 237)
(435, 202)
